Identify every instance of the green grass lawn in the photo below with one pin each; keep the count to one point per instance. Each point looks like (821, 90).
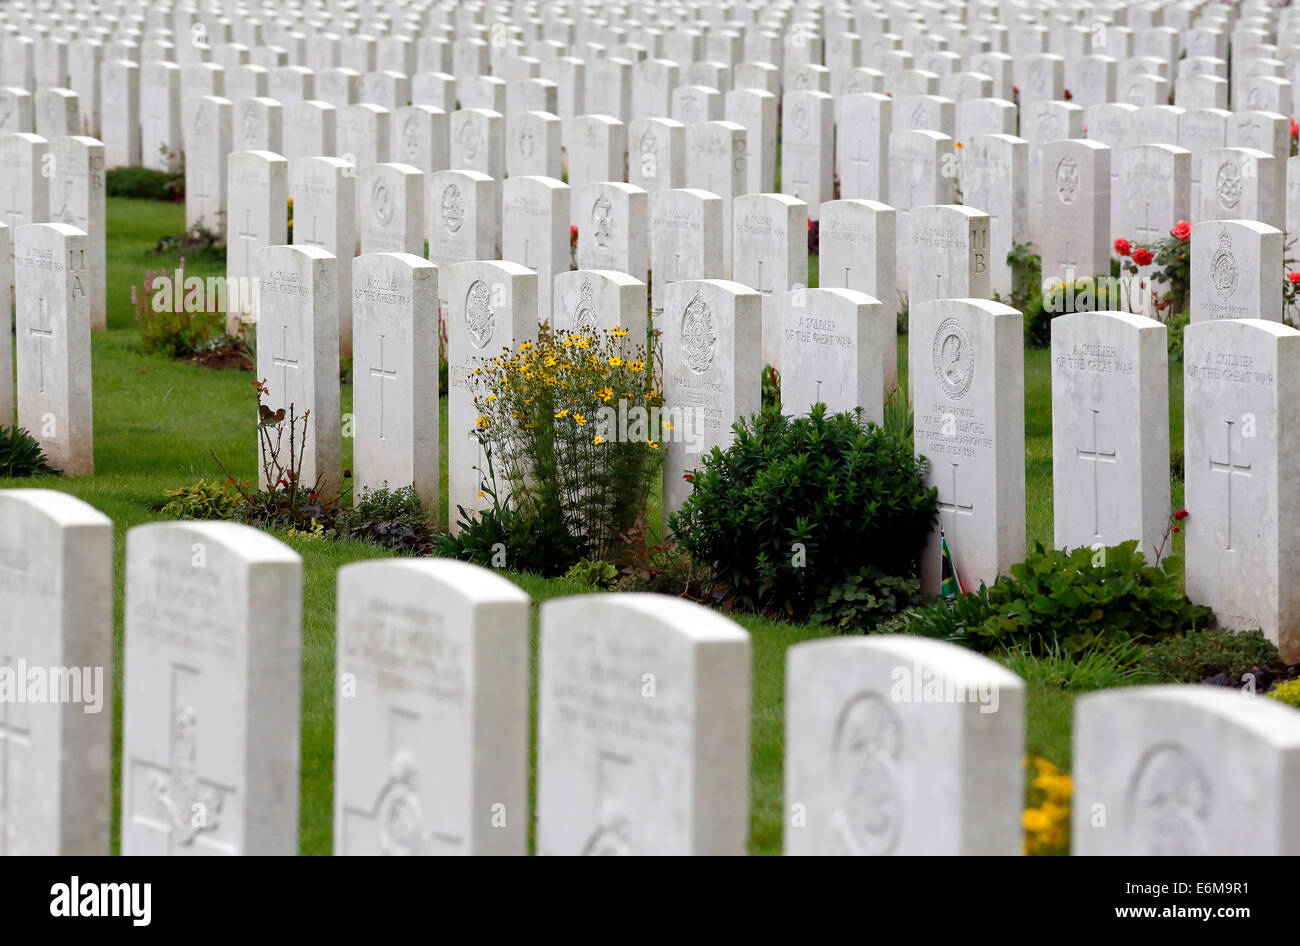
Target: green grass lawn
(157, 424)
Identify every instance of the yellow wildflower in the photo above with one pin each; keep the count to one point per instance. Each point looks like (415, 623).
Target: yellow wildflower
(615, 360)
(579, 419)
(563, 413)
(606, 393)
(653, 445)
(598, 440)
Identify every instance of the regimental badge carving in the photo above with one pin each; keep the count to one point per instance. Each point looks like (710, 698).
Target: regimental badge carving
(801, 80)
(1228, 185)
(527, 142)
(470, 140)
(190, 807)
(586, 317)
(453, 208)
(1251, 134)
(602, 221)
(801, 121)
(248, 121)
(399, 815)
(381, 199)
(648, 142)
(699, 336)
(866, 749)
(1256, 102)
(1037, 79)
(1091, 73)
(920, 116)
(1135, 93)
(1067, 181)
(411, 137)
(954, 359)
(1223, 267)
(1169, 801)
(480, 320)
(741, 161)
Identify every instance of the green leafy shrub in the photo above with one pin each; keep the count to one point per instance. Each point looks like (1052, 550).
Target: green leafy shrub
(1086, 294)
(1196, 655)
(1079, 598)
(796, 506)
(1288, 693)
(501, 537)
(865, 599)
(166, 326)
(1097, 668)
(1026, 275)
(898, 418)
(593, 574)
(206, 499)
(392, 518)
(771, 389)
(21, 454)
(145, 183)
(1174, 326)
(199, 243)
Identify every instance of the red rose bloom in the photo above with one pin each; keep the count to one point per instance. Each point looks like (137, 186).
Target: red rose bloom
(1294, 277)
(1142, 257)
(1295, 129)
(1068, 96)
(1180, 514)
(1122, 247)
(1182, 231)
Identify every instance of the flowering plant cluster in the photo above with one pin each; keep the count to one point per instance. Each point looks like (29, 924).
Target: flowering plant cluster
(1174, 276)
(1047, 814)
(574, 428)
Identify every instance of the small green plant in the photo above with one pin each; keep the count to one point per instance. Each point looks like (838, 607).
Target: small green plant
(167, 326)
(771, 388)
(599, 575)
(1196, 655)
(1096, 668)
(21, 454)
(1174, 326)
(198, 243)
(898, 417)
(1081, 598)
(795, 507)
(392, 518)
(1087, 294)
(206, 499)
(1288, 693)
(862, 601)
(1026, 275)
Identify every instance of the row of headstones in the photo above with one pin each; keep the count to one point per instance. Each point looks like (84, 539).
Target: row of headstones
(59, 181)
(611, 77)
(893, 745)
(1110, 400)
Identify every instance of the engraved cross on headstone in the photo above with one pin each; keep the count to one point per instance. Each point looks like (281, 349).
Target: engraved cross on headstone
(397, 823)
(1096, 456)
(284, 363)
(383, 375)
(14, 213)
(953, 507)
(862, 179)
(759, 287)
(1230, 469)
(41, 332)
(248, 237)
(171, 798)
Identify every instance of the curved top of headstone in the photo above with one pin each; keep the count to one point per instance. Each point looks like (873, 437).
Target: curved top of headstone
(1277, 329)
(614, 612)
(250, 545)
(1127, 318)
(1265, 719)
(366, 260)
(60, 508)
(954, 662)
(444, 577)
